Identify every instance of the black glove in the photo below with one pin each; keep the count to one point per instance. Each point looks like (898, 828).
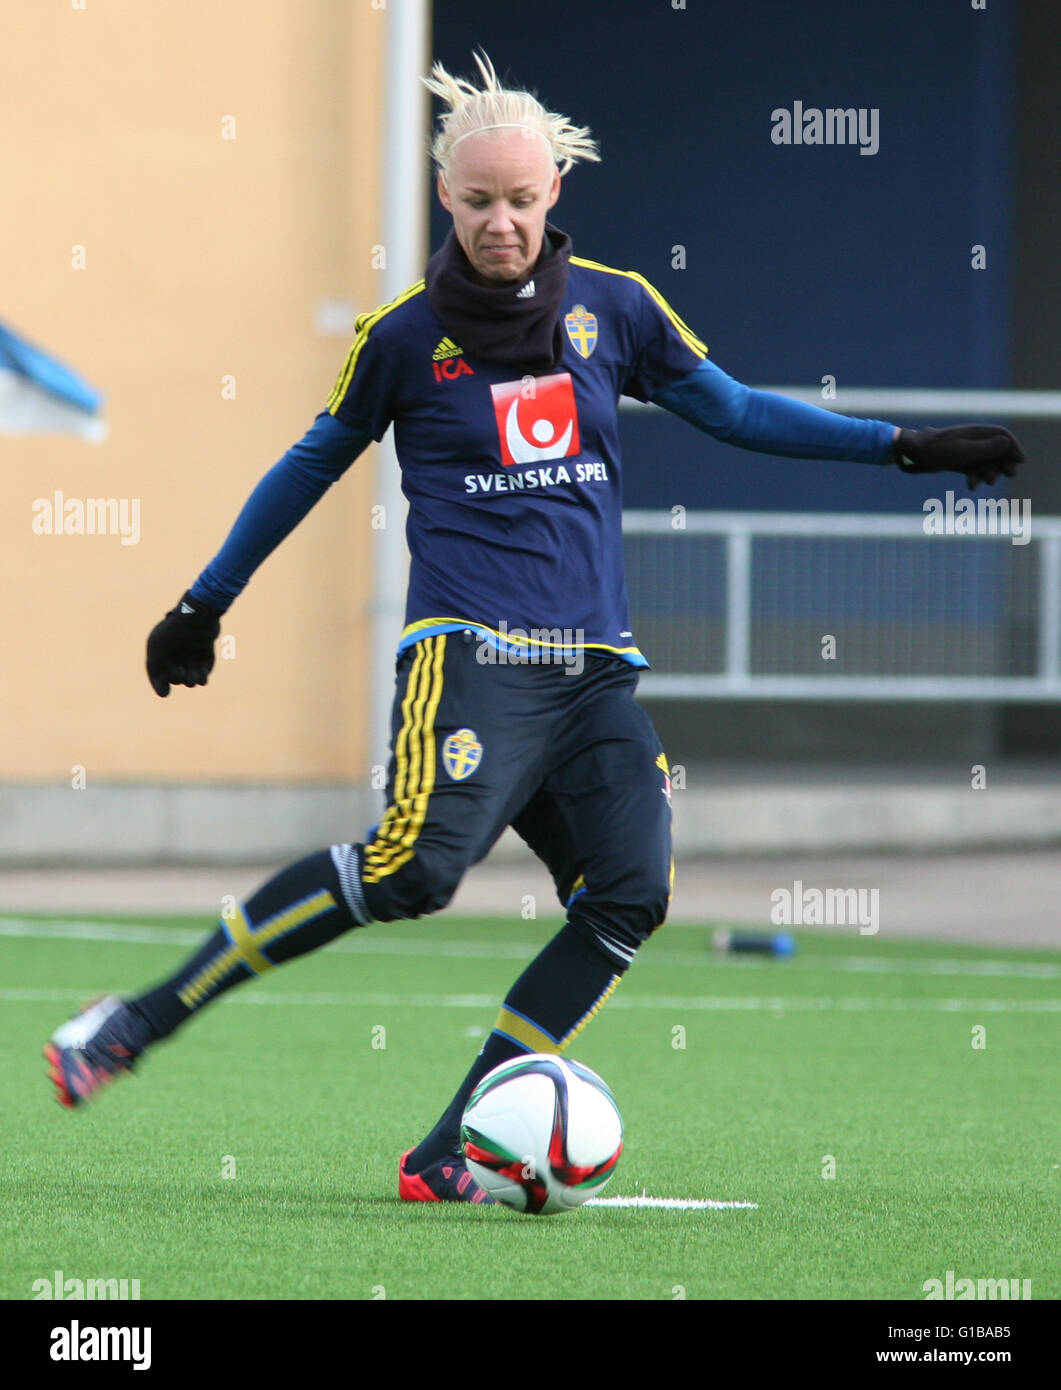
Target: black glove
(180, 650)
(981, 452)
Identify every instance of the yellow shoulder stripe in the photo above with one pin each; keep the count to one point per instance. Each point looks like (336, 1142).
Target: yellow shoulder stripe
(688, 337)
(363, 326)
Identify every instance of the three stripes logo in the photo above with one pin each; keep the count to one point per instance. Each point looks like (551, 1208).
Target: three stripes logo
(415, 753)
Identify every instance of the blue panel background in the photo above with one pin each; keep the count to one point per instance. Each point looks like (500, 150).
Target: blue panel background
(801, 261)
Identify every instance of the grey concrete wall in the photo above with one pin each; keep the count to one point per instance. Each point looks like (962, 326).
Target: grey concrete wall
(720, 810)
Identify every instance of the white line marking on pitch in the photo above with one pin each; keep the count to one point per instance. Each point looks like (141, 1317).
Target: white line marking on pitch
(484, 1002)
(375, 944)
(135, 934)
(672, 1203)
(121, 932)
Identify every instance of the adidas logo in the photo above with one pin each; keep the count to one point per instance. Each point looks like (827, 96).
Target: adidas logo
(527, 292)
(446, 348)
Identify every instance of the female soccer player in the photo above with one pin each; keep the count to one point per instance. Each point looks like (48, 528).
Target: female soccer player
(500, 371)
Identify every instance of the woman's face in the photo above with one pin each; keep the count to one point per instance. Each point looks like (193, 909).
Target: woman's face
(500, 186)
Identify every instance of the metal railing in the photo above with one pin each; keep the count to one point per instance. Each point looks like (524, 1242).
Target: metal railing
(826, 606)
(895, 401)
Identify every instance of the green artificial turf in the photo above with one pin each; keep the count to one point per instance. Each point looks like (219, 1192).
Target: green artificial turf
(858, 1050)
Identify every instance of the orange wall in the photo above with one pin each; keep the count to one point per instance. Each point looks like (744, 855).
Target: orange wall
(204, 257)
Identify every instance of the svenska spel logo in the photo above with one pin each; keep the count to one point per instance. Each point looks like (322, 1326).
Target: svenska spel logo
(536, 419)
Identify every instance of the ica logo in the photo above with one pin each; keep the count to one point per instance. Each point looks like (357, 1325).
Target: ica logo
(536, 425)
(451, 369)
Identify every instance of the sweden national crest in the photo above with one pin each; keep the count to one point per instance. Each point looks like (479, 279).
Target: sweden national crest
(462, 753)
(581, 328)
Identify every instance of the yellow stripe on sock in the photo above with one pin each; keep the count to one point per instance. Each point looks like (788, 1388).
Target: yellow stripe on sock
(240, 931)
(198, 988)
(291, 918)
(524, 1032)
(247, 944)
(586, 1017)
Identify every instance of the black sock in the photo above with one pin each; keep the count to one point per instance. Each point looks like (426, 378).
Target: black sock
(552, 1001)
(299, 909)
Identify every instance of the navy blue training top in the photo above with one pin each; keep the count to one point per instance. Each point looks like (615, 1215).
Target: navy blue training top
(514, 482)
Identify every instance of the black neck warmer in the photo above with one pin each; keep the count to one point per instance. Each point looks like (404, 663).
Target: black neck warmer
(492, 321)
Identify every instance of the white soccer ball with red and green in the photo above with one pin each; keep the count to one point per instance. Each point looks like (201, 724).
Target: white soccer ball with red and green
(542, 1134)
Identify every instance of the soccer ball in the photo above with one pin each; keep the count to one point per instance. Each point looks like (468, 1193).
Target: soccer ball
(541, 1134)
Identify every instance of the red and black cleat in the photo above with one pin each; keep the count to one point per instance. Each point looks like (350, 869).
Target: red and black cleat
(99, 1044)
(446, 1180)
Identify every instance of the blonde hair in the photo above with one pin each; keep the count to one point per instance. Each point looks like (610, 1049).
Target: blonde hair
(472, 109)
